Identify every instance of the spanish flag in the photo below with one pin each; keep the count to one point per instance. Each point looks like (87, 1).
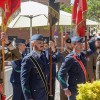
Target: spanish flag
(53, 12)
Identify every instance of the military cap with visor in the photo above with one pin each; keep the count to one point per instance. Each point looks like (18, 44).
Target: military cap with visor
(76, 39)
(37, 37)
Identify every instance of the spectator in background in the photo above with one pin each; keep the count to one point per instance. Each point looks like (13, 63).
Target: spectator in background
(11, 53)
(16, 70)
(98, 58)
(68, 49)
(98, 68)
(90, 63)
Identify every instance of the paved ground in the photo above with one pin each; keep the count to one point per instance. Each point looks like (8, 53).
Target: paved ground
(57, 93)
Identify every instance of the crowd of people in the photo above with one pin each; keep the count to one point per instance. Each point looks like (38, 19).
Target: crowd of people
(30, 76)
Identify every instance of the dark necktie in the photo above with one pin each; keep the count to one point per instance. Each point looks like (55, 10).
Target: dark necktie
(22, 55)
(80, 57)
(42, 57)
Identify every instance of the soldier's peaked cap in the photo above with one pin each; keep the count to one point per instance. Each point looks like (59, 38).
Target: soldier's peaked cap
(20, 41)
(36, 37)
(98, 38)
(68, 40)
(45, 41)
(76, 39)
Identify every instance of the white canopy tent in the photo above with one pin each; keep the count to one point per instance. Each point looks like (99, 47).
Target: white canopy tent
(66, 19)
(37, 14)
(42, 20)
(22, 21)
(32, 8)
(90, 22)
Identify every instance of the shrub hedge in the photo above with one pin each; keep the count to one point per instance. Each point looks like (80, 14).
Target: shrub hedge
(89, 91)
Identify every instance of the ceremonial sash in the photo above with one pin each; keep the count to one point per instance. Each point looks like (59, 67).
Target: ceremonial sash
(41, 74)
(82, 66)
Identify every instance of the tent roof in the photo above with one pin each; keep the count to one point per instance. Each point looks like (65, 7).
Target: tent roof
(65, 13)
(90, 22)
(37, 9)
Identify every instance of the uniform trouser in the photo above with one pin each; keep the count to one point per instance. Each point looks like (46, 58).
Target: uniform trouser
(62, 95)
(73, 96)
(17, 92)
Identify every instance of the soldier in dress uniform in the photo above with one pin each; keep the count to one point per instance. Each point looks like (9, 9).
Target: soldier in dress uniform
(16, 70)
(35, 70)
(68, 49)
(90, 63)
(98, 58)
(73, 65)
(58, 57)
(97, 52)
(98, 68)
(11, 52)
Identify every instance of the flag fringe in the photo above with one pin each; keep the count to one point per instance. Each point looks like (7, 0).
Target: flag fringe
(9, 19)
(53, 12)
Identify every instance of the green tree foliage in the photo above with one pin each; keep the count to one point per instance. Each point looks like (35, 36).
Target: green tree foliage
(66, 8)
(93, 9)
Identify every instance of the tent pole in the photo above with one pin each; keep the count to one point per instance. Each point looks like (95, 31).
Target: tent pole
(30, 32)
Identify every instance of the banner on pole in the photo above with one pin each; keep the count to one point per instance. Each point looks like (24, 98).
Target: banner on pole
(53, 11)
(79, 16)
(9, 7)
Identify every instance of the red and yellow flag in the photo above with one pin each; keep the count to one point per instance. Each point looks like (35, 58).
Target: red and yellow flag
(84, 8)
(80, 23)
(74, 11)
(2, 6)
(9, 7)
(79, 16)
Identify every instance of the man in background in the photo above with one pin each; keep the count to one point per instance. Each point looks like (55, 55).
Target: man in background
(98, 58)
(68, 49)
(90, 62)
(16, 70)
(11, 53)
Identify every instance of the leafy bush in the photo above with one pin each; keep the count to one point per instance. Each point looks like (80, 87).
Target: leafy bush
(89, 91)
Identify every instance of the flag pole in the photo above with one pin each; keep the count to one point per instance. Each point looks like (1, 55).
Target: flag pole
(3, 56)
(86, 35)
(51, 96)
(53, 16)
